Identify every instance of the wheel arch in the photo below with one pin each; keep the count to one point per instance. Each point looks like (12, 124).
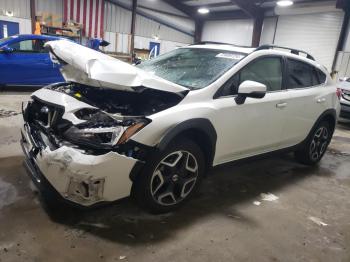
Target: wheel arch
(330, 115)
(200, 130)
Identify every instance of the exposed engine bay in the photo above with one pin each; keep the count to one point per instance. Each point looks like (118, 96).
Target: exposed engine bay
(142, 103)
(100, 120)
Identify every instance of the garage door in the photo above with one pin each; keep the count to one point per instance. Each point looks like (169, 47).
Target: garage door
(317, 34)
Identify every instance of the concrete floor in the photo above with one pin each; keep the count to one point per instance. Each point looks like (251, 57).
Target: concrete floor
(309, 221)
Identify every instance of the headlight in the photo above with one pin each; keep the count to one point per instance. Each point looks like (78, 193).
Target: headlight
(102, 137)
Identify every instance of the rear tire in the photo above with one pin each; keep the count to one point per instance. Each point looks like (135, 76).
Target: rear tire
(170, 177)
(316, 145)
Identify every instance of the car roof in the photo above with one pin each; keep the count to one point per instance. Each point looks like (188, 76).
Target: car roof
(24, 36)
(224, 47)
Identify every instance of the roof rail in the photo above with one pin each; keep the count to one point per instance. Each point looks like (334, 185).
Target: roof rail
(292, 50)
(219, 43)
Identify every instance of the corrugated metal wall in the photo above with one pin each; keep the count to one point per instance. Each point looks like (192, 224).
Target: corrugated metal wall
(148, 28)
(118, 19)
(20, 8)
(49, 6)
(239, 31)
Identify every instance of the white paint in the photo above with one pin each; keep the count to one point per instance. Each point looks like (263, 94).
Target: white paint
(94, 68)
(237, 32)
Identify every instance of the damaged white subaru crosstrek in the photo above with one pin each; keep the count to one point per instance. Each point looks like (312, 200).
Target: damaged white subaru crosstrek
(151, 131)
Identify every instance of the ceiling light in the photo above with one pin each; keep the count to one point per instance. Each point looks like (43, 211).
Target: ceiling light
(284, 3)
(203, 10)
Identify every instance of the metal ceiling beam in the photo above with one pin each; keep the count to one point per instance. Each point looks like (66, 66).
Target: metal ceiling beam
(133, 23)
(190, 11)
(249, 7)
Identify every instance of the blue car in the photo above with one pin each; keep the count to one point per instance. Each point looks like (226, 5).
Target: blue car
(25, 62)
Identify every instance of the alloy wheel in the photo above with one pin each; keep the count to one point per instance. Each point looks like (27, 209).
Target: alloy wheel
(174, 178)
(319, 143)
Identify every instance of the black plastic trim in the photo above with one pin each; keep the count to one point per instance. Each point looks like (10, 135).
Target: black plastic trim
(199, 124)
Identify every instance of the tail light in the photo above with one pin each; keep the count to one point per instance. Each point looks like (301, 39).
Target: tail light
(339, 93)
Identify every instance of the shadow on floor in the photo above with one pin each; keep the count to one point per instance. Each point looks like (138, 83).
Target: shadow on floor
(226, 187)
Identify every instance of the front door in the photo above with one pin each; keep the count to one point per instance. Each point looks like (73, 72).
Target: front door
(256, 126)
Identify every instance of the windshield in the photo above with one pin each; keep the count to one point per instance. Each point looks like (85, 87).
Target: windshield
(194, 68)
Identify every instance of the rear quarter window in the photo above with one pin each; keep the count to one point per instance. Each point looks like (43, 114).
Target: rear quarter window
(303, 75)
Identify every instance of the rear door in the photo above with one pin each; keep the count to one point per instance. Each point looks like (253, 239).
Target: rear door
(307, 99)
(256, 126)
(28, 64)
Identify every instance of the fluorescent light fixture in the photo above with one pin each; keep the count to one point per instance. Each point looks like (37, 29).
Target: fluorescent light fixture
(284, 3)
(203, 10)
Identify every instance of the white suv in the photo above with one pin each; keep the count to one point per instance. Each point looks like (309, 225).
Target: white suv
(151, 131)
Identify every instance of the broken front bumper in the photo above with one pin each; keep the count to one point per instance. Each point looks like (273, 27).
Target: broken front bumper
(76, 176)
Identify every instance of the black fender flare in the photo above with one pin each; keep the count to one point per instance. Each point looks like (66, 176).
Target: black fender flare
(201, 124)
(328, 113)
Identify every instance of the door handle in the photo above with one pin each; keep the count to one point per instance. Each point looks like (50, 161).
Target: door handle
(281, 105)
(321, 100)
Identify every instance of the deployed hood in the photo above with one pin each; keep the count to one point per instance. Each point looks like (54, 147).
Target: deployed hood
(89, 67)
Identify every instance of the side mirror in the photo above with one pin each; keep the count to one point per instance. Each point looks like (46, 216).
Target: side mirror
(343, 79)
(7, 49)
(250, 89)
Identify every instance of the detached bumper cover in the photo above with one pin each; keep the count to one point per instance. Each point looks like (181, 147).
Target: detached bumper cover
(76, 176)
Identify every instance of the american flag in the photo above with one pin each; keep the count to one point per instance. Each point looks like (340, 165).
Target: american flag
(90, 13)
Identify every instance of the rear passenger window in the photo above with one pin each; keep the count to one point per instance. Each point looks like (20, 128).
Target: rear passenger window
(301, 75)
(321, 76)
(267, 71)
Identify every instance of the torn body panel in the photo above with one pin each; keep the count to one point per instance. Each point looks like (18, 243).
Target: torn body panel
(77, 176)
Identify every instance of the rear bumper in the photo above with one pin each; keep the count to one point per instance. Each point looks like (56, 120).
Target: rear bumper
(75, 176)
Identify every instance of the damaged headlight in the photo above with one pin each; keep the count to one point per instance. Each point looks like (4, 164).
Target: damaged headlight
(101, 131)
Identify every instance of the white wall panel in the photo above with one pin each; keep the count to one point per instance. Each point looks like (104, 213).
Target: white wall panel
(165, 46)
(25, 25)
(229, 31)
(118, 19)
(20, 8)
(268, 30)
(148, 28)
(317, 34)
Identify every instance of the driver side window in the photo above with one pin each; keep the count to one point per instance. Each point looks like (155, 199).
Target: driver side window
(266, 70)
(29, 46)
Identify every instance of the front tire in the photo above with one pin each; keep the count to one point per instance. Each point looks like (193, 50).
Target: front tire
(170, 177)
(316, 145)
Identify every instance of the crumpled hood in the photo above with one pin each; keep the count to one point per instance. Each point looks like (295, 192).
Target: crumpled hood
(86, 66)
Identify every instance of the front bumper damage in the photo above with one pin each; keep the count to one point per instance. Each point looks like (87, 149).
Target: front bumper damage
(74, 175)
